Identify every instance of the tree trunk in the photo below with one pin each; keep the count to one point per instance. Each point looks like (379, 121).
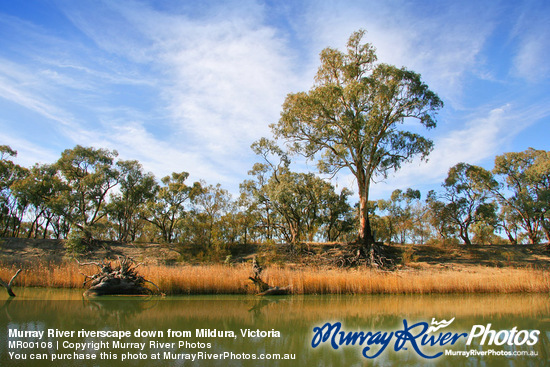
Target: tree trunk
(365, 230)
(464, 235)
(532, 236)
(466, 239)
(513, 240)
(46, 227)
(29, 235)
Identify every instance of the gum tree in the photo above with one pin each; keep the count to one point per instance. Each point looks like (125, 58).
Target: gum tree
(127, 206)
(400, 211)
(41, 189)
(11, 209)
(524, 189)
(352, 118)
(305, 204)
(168, 209)
(467, 199)
(294, 206)
(259, 203)
(89, 174)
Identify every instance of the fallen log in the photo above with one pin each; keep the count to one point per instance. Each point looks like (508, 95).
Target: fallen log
(276, 291)
(8, 285)
(112, 287)
(122, 279)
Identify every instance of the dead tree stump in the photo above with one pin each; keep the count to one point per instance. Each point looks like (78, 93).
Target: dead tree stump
(264, 288)
(8, 285)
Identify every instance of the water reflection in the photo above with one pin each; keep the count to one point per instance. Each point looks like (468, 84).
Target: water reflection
(293, 316)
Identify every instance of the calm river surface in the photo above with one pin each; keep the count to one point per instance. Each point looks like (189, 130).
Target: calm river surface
(294, 317)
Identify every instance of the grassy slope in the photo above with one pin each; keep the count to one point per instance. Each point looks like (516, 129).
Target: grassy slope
(18, 250)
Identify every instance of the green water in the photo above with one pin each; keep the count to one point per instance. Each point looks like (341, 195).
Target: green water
(294, 317)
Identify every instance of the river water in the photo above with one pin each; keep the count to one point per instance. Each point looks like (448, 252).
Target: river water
(276, 327)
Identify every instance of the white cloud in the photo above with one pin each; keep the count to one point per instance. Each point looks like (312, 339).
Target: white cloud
(192, 88)
(19, 85)
(223, 98)
(28, 154)
(531, 33)
(223, 78)
(132, 141)
(442, 43)
(531, 62)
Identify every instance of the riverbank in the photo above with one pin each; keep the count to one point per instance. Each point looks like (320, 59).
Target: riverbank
(424, 270)
(226, 279)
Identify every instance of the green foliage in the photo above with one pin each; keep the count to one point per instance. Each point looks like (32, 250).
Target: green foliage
(522, 186)
(278, 209)
(127, 207)
(295, 206)
(467, 199)
(12, 210)
(351, 118)
(445, 242)
(89, 175)
(403, 216)
(254, 192)
(214, 204)
(168, 209)
(43, 191)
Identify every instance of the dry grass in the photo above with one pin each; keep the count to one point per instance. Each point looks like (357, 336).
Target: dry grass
(476, 280)
(223, 279)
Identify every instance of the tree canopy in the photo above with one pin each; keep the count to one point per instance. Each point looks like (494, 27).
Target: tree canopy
(523, 187)
(467, 199)
(89, 195)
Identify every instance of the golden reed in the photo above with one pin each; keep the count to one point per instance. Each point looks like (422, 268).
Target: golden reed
(224, 279)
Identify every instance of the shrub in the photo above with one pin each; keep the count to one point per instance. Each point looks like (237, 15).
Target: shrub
(77, 242)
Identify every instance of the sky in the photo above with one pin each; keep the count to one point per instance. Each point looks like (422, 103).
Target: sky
(190, 85)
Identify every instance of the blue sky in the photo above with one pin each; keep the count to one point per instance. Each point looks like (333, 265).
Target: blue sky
(189, 85)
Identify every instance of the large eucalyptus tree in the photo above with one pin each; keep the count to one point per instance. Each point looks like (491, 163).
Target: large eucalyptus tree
(352, 118)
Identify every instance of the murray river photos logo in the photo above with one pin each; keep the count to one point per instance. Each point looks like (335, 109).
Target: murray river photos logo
(420, 337)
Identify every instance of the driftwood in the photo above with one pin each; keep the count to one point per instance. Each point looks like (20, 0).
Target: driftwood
(122, 279)
(8, 285)
(264, 288)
